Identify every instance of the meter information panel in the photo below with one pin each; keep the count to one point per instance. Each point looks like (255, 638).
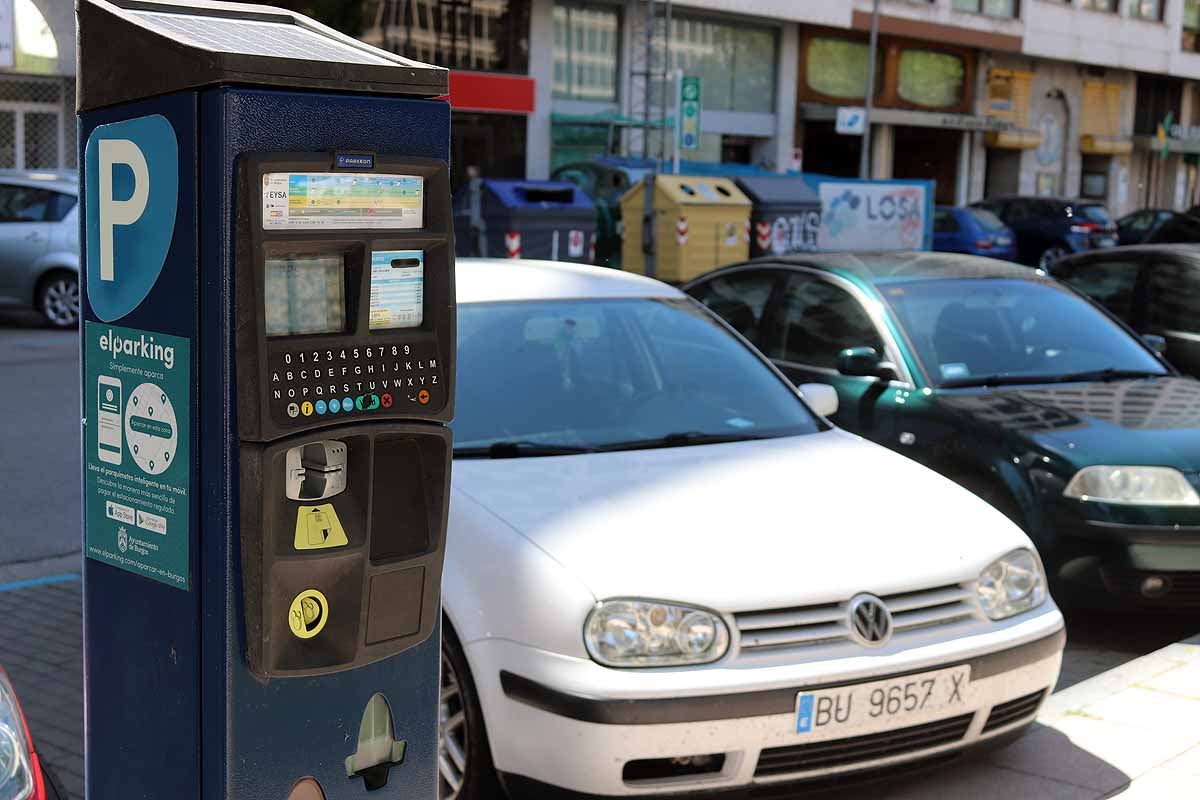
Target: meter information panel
(341, 201)
(397, 289)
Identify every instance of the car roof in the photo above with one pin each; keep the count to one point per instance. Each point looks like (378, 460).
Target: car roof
(487, 280)
(1069, 201)
(886, 267)
(64, 180)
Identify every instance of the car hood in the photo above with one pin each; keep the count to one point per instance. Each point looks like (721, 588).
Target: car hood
(1154, 421)
(748, 525)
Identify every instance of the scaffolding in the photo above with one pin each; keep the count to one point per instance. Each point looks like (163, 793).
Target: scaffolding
(650, 78)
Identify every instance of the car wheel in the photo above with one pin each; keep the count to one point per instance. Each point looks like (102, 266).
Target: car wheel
(465, 769)
(1050, 256)
(58, 299)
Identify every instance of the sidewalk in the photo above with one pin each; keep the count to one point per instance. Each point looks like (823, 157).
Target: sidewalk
(1132, 732)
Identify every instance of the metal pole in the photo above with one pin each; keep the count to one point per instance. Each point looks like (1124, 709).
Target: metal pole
(646, 79)
(864, 161)
(678, 115)
(666, 73)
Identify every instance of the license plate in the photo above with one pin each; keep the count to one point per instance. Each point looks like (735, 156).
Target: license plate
(1004, 241)
(1105, 241)
(879, 705)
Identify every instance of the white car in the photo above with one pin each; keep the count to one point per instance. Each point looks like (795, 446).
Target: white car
(666, 573)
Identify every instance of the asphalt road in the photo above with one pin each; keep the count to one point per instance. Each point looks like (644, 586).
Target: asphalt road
(39, 440)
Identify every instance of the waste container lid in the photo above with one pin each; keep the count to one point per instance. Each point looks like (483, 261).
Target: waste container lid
(692, 190)
(132, 49)
(539, 194)
(778, 190)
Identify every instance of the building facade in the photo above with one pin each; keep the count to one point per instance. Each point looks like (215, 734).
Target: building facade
(37, 84)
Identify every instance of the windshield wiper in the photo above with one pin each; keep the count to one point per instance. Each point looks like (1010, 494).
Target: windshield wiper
(520, 449)
(681, 439)
(1107, 374)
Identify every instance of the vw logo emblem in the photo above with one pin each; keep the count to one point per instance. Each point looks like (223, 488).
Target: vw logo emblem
(870, 620)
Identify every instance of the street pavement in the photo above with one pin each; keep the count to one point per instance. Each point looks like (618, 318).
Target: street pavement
(1118, 724)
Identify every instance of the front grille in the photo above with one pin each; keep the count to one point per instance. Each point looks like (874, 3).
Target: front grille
(1013, 710)
(840, 752)
(805, 626)
(1183, 588)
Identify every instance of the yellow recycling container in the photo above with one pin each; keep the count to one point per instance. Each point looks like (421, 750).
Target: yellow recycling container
(699, 223)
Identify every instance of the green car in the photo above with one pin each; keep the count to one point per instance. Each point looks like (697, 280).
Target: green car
(1010, 383)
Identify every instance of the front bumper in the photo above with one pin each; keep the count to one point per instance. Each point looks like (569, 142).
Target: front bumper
(580, 742)
(1108, 563)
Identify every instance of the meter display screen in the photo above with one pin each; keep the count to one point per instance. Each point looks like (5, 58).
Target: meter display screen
(397, 289)
(341, 200)
(305, 294)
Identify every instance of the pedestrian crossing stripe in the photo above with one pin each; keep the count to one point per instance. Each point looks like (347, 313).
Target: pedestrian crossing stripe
(318, 527)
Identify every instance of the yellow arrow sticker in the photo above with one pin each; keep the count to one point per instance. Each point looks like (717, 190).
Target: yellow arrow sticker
(318, 527)
(308, 614)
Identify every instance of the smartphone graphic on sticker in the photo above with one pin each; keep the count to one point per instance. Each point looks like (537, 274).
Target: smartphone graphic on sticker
(109, 419)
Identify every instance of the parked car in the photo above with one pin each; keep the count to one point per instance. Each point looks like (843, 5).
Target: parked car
(661, 568)
(1049, 228)
(1179, 229)
(39, 243)
(22, 776)
(1010, 383)
(1155, 289)
(1134, 228)
(972, 230)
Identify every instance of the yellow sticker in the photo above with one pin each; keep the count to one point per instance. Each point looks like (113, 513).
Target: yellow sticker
(308, 614)
(318, 527)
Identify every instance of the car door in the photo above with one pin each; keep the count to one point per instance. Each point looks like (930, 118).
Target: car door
(24, 238)
(1173, 309)
(810, 320)
(740, 297)
(1109, 278)
(946, 232)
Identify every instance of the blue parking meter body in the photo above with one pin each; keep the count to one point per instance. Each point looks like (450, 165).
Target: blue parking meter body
(267, 377)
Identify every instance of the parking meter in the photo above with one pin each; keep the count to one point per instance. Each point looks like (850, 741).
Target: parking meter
(268, 370)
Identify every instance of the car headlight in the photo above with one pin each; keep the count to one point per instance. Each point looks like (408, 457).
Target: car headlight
(1011, 584)
(1138, 486)
(645, 633)
(16, 776)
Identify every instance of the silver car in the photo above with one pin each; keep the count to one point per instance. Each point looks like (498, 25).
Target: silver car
(39, 243)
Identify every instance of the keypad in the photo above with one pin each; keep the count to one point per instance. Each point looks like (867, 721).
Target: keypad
(311, 384)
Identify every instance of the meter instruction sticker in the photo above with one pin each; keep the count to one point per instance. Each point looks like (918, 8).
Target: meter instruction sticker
(341, 200)
(397, 289)
(136, 459)
(318, 527)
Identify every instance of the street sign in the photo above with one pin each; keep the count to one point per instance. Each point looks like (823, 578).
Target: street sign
(851, 120)
(689, 112)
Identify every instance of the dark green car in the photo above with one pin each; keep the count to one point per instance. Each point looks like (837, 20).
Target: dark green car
(1008, 382)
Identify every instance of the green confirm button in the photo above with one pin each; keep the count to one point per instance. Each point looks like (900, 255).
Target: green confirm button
(150, 427)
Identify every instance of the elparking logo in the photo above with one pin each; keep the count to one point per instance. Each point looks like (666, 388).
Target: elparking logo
(132, 176)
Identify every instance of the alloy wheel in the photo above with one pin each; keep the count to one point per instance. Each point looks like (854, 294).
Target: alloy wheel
(452, 734)
(60, 301)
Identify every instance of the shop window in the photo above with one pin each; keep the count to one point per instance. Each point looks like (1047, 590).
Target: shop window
(993, 8)
(736, 63)
(929, 78)
(1100, 5)
(838, 67)
(1094, 184)
(490, 145)
(1191, 25)
(1146, 9)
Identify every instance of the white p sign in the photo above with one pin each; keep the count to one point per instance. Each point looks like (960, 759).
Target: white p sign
(115, 212)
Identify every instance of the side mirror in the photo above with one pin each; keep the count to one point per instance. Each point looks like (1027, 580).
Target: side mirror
(865, 362)
(821, 398)
(1155, 342)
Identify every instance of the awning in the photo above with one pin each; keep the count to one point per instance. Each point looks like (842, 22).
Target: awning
(1014, 140)
(1172, 145)
(1094, 145)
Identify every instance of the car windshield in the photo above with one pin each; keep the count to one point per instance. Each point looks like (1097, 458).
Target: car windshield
(563, 376)
(986, 219)
(987, 331)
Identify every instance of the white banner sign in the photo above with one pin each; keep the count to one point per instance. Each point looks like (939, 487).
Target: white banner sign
(875, 215)
(7, 35)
